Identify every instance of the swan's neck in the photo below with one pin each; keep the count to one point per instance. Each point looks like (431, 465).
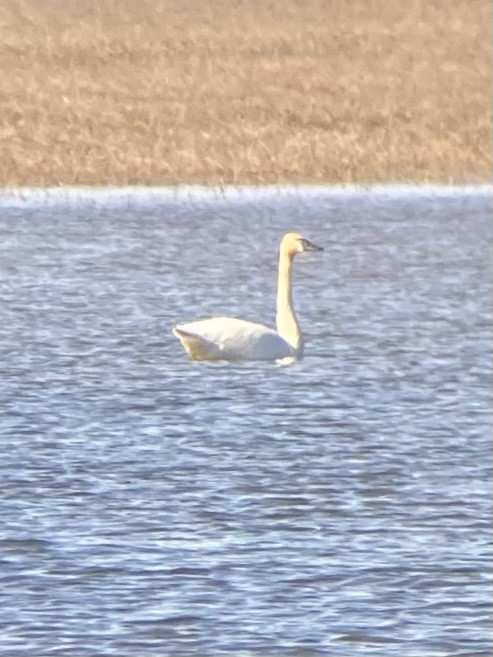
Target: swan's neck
(287, 324)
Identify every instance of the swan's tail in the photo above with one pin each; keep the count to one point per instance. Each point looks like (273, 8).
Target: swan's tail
(197, 347)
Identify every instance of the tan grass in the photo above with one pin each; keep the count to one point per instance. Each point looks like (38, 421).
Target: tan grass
(244, 91)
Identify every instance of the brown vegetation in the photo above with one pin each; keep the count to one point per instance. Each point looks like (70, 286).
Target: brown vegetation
(244, 91)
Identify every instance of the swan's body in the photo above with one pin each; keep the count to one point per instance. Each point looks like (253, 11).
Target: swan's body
(228, 338)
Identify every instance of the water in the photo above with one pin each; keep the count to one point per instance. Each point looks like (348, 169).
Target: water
(155, 506)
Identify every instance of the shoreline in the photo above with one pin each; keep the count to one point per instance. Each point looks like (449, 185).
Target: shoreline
(26, 196)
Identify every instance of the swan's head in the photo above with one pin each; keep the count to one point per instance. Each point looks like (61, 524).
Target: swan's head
(293, 243)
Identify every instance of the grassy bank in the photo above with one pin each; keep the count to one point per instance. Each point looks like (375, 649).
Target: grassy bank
(244, 91)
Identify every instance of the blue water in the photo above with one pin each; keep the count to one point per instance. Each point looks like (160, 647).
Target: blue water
(155, 506)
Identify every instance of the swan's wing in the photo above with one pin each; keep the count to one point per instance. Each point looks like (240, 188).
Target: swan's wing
(229, 338)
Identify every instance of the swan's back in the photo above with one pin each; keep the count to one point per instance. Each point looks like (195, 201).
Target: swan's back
(229, 338)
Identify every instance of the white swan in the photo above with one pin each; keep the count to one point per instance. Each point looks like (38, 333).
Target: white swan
(228, 338)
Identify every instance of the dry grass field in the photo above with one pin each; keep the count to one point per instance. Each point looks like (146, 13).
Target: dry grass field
(118, 92)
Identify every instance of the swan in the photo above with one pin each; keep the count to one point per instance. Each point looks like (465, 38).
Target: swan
(229, 338)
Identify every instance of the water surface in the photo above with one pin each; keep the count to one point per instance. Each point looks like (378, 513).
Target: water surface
(155, 506)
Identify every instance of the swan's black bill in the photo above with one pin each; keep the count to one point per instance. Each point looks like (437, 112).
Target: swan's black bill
(310, 246)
